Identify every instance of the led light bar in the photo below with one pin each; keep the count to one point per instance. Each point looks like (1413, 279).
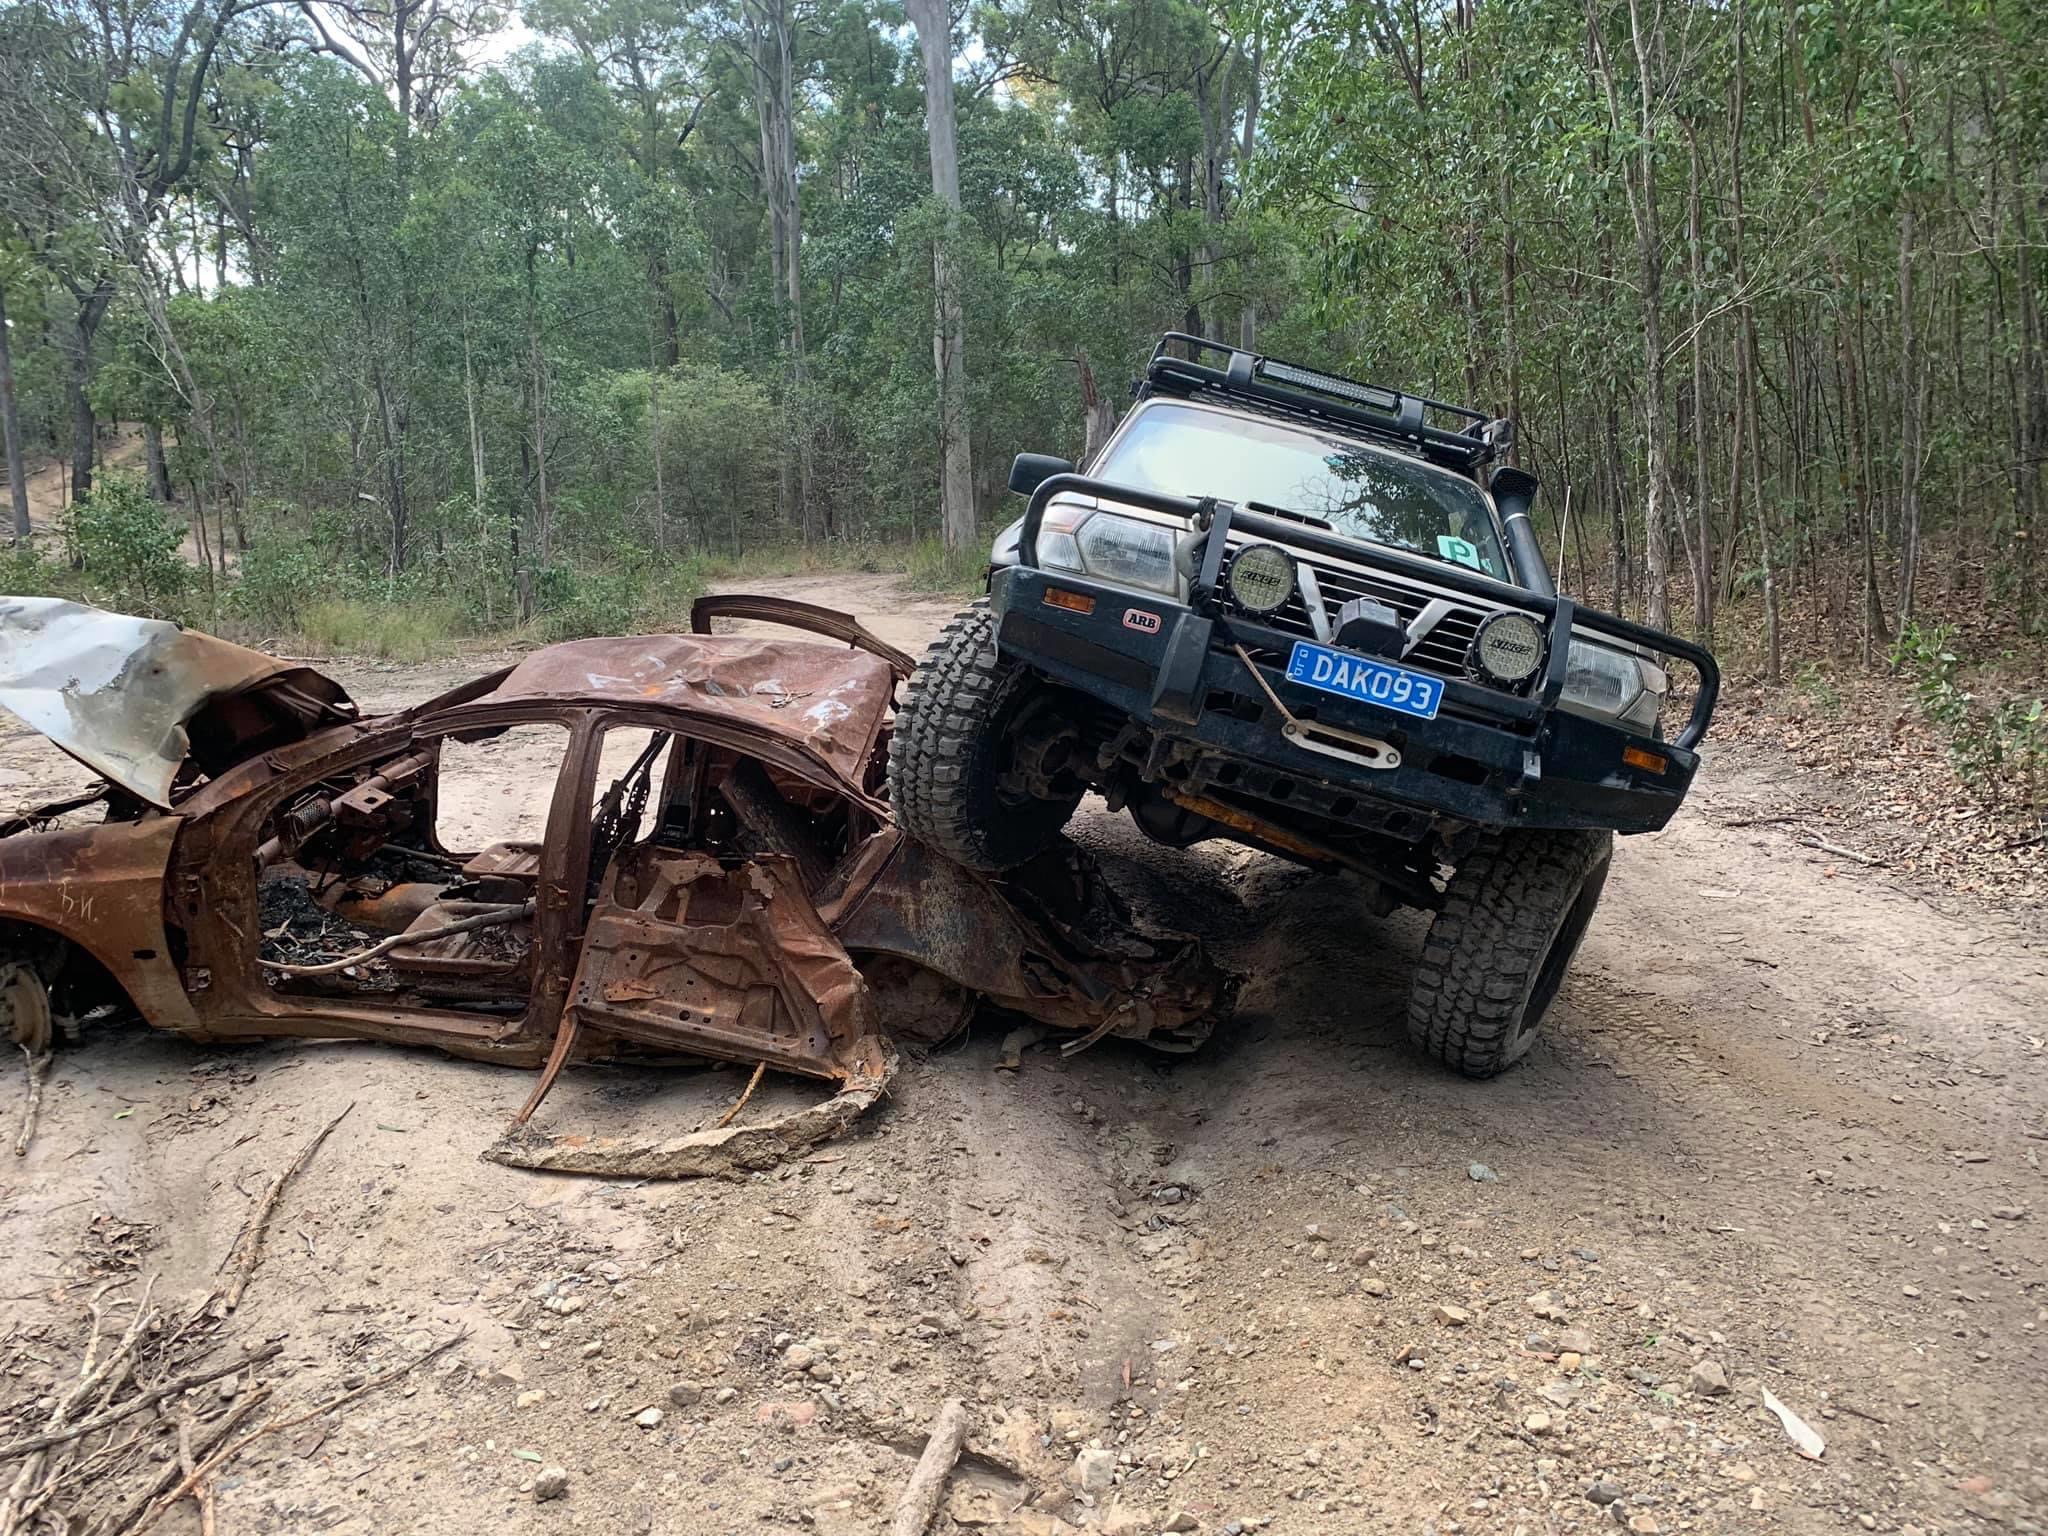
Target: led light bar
(1385, 400)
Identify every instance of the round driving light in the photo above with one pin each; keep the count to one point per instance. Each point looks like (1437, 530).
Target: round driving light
(1507, 649)
(1261, 577)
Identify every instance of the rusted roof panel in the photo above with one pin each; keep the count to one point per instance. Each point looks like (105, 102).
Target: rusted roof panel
(829, 700)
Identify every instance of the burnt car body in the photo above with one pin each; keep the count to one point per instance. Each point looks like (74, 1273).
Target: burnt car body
(719, 875)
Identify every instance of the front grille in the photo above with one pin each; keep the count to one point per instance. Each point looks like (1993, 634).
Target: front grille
(1442, 651)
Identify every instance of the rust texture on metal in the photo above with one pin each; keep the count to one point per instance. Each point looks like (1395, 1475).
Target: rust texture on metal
(1051, 941)
(734, 964)
(739, 894)
(102, 888)
(134, 699)
(829, 702)
(795, 615)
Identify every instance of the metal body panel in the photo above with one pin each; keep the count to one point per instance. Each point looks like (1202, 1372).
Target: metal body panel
(735, 929)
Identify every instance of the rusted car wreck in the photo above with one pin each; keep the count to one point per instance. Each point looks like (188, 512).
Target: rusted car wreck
(718, 875)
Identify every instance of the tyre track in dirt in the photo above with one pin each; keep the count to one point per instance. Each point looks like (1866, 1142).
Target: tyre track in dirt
(1743, 1017)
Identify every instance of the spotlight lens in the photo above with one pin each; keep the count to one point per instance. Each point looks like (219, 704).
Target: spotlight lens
(1508, 648)
(1261, 577)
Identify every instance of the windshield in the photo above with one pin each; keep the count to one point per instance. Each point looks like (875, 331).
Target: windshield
(1359, 491)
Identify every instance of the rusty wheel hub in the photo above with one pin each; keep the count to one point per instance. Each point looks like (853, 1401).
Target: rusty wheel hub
(24, 1007)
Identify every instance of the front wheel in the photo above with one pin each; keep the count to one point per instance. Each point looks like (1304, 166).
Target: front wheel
(970, 764)
(1513, 917)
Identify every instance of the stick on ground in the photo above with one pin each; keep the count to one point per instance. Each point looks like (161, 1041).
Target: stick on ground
(1847, 853)
(927, 1483)
(220, 1458)
(124, 1517)
(38, 1069)
(752, 1083)
(248, 1249)
(135, 1405)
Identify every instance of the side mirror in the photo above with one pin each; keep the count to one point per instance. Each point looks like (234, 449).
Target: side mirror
(1031, 470)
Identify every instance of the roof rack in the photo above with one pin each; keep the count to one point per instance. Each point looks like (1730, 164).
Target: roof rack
(1473, 440)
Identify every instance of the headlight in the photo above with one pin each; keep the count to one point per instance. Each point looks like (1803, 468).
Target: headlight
(1614, 685)
(1123, 550)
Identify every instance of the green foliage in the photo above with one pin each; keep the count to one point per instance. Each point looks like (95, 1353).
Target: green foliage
(281, 580)
(538, 336)
(412, 631)
(26, 572)
(128, 547)
(2001, 750)
(1818, 689)
(632, 592)
(935, 568)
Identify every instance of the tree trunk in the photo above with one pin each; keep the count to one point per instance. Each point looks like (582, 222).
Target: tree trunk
(84, 425)
(476, 472)
(10, 434)
(1650, 255)
(1703, 555)
(1911, 385)
(933, 20)
(654, 378)
(1098, 416)
(153, 456)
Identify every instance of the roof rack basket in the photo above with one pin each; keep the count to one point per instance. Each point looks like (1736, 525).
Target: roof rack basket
(1469, 441)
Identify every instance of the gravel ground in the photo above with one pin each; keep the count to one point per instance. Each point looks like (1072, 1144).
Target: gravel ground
(1784, 1135)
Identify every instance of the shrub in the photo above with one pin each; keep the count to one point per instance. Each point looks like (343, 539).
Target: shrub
(128, 545)
(633, 592)
(280, 581)
(2001, 751)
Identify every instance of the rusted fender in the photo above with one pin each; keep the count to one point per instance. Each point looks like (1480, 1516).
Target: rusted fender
(103, 889)
(731, 1152)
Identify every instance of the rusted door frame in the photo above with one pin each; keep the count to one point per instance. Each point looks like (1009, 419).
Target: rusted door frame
(218, 848)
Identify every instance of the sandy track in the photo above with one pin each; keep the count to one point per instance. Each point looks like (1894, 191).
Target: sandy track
(1778, 1114)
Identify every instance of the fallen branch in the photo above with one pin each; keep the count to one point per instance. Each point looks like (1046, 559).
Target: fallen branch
(927, 1483)
(248, 1247)
(38, 1070)
(93, 1374)
(135, 1405)
(503, 915)
(210, 1464)
(760, 1070)
(1847, 853)
(133, 1509)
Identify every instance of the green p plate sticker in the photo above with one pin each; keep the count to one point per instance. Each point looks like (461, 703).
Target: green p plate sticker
(1459, 551)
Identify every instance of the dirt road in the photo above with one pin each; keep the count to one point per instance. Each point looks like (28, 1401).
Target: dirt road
(1785, 1133)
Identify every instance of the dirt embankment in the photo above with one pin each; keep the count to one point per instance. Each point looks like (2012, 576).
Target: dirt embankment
(1785, 1133)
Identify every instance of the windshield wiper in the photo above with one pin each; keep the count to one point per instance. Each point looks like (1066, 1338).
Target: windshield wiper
(1292, 516)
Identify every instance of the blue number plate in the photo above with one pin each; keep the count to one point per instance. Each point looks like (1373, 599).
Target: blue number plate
(1360, 677)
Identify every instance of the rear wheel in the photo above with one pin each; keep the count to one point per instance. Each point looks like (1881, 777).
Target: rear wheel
(1496, 954)
(25, 1016)
(974, 764)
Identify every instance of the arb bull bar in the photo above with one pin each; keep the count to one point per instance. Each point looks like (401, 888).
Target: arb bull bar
(1490, 756)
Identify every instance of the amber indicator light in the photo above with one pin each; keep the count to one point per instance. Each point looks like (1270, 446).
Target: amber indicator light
(1073, 602)
(1649, 762)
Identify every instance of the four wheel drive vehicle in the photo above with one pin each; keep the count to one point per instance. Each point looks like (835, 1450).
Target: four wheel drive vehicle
(706, 868)
(1295, 611)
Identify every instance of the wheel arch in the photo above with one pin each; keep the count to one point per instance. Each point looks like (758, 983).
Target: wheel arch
(99, 892)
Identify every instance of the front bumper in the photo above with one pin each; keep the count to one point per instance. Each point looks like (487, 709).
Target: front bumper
(1487, 758)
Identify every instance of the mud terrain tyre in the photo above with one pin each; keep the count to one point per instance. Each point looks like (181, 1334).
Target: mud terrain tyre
(953, 748)
(1512, 919)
